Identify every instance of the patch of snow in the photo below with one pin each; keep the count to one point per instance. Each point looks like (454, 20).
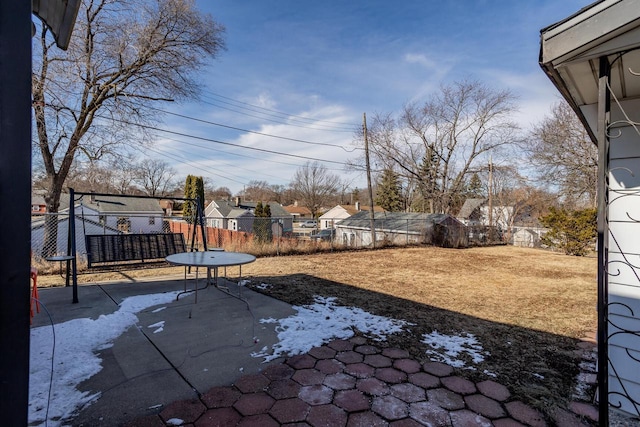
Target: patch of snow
(76, 340)
(159, 309)
(538, 376)
(264, 286)
(448, 348)
(244, 282)
(175, 422)
(159, 326)
(322, 321)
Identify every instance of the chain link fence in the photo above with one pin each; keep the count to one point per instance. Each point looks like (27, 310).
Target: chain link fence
(259, 236)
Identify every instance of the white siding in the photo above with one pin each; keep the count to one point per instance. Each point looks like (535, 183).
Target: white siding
(624, 260)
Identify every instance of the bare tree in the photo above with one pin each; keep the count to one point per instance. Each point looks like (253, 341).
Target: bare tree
(439, 144)
(154, 176)
(216, 193)
(258, 191)
(314, 186)
(565, 156)
(123, 175)
(124, 56)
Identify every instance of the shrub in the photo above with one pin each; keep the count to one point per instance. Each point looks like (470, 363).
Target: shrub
(573, 232)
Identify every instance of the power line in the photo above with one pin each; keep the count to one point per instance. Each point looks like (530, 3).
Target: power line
(257, 108)
(204, 147)
(208, 171)
(264, 150)
(288, 123)
(326, 144)
(218, 161)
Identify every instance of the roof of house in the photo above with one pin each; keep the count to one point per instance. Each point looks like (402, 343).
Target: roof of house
(37, 198)
(295, 209)
(401, 221)
(225, 207)
(238, 212)
(469, 206)
(115, 204)
(352, 209)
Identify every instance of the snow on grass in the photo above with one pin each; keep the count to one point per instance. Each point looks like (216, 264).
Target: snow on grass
(75, 359)
(449, 348)
(321, 322)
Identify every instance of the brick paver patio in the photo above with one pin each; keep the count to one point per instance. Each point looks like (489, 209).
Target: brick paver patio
(352, 383)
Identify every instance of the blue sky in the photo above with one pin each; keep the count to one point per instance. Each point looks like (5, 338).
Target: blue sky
(324, 64)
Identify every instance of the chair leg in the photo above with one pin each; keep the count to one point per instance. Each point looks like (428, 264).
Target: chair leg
(34, 292)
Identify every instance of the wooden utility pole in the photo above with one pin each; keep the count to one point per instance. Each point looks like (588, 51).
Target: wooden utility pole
(366, 154)
(491, 198)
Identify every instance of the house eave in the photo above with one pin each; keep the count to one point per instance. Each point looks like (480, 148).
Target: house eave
(570, 52)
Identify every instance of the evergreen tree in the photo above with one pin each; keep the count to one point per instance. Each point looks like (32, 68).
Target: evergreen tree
(193, 189)
(574, 232)
(389, 194)
(474, 189)
(262, 223)
(427, 184)
(258, 210)
(199, 191)
(188, 207)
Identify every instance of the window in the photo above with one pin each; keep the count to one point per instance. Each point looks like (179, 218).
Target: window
(152, 220)
(124, 224)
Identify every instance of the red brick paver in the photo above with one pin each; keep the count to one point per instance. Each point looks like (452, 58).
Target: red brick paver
(353, 383)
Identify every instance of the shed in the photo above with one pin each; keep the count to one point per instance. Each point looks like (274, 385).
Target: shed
(403, 228)
(339, 212)
(593, 59)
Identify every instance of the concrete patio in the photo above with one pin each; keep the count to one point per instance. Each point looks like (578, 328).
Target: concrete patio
(191, 364)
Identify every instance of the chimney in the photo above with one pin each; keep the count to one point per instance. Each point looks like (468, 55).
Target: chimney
(357, 206)
(237, 201)
(92, 197)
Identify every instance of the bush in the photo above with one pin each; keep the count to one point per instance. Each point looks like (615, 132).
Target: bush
(573, 232)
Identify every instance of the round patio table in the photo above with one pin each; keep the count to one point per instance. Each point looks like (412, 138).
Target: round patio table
(211, 259)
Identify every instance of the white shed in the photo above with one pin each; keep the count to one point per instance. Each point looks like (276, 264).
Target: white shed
(593, 59)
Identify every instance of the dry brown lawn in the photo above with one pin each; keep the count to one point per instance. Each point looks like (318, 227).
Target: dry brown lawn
(523, 287)
(526, 307)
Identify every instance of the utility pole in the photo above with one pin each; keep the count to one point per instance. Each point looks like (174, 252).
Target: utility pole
(366, 153)
(490, 198)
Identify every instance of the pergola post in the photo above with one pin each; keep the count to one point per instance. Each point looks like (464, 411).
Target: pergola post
(604, 118)
(15, 209)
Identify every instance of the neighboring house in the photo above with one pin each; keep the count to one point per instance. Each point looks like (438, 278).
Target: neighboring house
(126, 214)
(167, 207)
(476, 212)
(38, 204)
(238, 215)
(527, 237)
(83, 226)
(99, 215)
(340, 212)
(403, 228)
(470, 212)
(298, 213)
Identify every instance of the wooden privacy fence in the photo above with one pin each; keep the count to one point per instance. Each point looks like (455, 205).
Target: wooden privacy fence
(216, 237)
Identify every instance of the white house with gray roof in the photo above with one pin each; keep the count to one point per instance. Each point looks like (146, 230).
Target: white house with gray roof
(238, 215)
